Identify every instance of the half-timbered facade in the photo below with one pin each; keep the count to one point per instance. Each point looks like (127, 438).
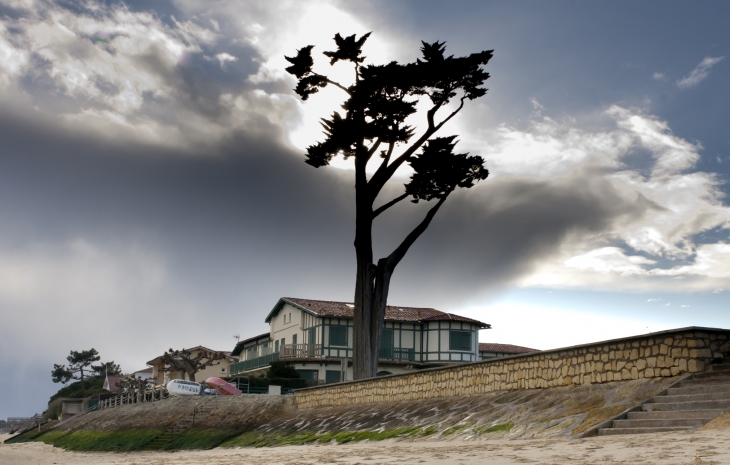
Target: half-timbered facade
(317, 337)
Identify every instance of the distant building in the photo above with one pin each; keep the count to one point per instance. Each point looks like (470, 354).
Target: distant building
(316, 336)
(143, 374)
(489, 350)
(111, 384)
(70, 407)
(220, 369)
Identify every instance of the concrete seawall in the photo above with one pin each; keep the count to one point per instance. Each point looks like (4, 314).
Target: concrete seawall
(657, 355)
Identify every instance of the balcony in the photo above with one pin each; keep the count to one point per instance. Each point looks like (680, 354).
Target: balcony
(258, 362)
(300, 351)
(392, 353)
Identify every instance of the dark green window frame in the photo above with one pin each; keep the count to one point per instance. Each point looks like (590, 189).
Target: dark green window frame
(338, 336)
(459, 340)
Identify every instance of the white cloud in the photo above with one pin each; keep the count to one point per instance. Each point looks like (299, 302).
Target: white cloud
(679, 202)
(224, 58)
(653, 300)
(700, 72)
(659, 77)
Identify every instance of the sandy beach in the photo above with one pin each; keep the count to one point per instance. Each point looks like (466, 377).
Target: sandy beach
(684, 448)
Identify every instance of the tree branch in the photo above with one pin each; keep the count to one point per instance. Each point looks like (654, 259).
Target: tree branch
(381, 177)
(397, 255)
(386, 160)
(329, 81)
(373, 148)
(382, 208)
(453, 113)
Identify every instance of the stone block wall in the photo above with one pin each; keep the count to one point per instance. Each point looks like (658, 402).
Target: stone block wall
(656, 355)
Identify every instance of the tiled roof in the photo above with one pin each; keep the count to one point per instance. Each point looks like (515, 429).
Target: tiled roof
(392, 312)
(113, 380)
(504, 348)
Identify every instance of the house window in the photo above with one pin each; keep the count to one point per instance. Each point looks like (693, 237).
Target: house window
(310, 376)
(332, 376)
(460, 340)
(338, 336)
(276, 346)
(294, 339)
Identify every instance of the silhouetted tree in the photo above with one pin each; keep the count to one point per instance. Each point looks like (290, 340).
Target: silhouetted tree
(376, 107)
(108, 368)
(77, 362)
(184, 360)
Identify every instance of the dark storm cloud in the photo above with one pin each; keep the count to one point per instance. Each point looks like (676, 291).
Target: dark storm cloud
(489, 236)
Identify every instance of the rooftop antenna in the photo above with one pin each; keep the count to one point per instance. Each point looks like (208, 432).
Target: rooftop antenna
(237, 337)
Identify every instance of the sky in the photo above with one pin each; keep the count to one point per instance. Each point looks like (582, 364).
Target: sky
(153, 192)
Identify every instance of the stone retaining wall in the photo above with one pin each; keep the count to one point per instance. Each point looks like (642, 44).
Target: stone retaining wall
(655, 355)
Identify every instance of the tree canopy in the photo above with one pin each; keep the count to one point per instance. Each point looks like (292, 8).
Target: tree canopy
(77, 363)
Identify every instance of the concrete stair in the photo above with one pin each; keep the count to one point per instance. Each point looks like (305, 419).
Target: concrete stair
(689, 404)
(185, 423)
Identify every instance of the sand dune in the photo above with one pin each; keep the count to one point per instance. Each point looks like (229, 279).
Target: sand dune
(685, 448)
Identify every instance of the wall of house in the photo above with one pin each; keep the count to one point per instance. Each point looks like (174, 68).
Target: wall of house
(220, 370)
(282, 327)
(437, 342)
(656, 355)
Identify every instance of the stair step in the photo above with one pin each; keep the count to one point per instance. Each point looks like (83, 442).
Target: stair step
(696, 405)
(719, 395)
(699, 389)
(659, 429)
(645, 423)
(676, 414)
(720, 367)
(703, 382)
(712, 375)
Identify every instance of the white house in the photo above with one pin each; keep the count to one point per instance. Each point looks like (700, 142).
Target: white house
(316, 336)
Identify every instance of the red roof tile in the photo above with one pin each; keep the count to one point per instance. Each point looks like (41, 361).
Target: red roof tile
(504, 348)
(392, 312)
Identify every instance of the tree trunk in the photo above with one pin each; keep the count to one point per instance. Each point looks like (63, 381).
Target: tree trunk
(362, 360)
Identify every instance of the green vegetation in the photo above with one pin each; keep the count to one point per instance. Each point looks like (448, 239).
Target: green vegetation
(200, 439)
(495, 428)
(28, 436)
(130, 440)
(253, 439)
(106, 441)
(453, 430)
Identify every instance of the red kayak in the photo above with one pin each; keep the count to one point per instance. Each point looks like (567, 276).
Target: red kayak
(225, 388)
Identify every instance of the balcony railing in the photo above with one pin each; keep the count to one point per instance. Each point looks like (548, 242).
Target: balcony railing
(393, 353)
(240, 367)
(300, 350)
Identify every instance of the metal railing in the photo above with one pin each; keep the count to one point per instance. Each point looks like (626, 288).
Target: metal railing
(393, 353)
(132, 398)
(258, 362)
(300, 351)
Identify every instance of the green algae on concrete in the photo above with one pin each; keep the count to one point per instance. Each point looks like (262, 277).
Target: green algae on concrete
(256, 439)
(101, 441)
(200, 439)
(495, 429)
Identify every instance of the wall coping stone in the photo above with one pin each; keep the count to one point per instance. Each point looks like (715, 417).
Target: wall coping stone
(524, 355)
